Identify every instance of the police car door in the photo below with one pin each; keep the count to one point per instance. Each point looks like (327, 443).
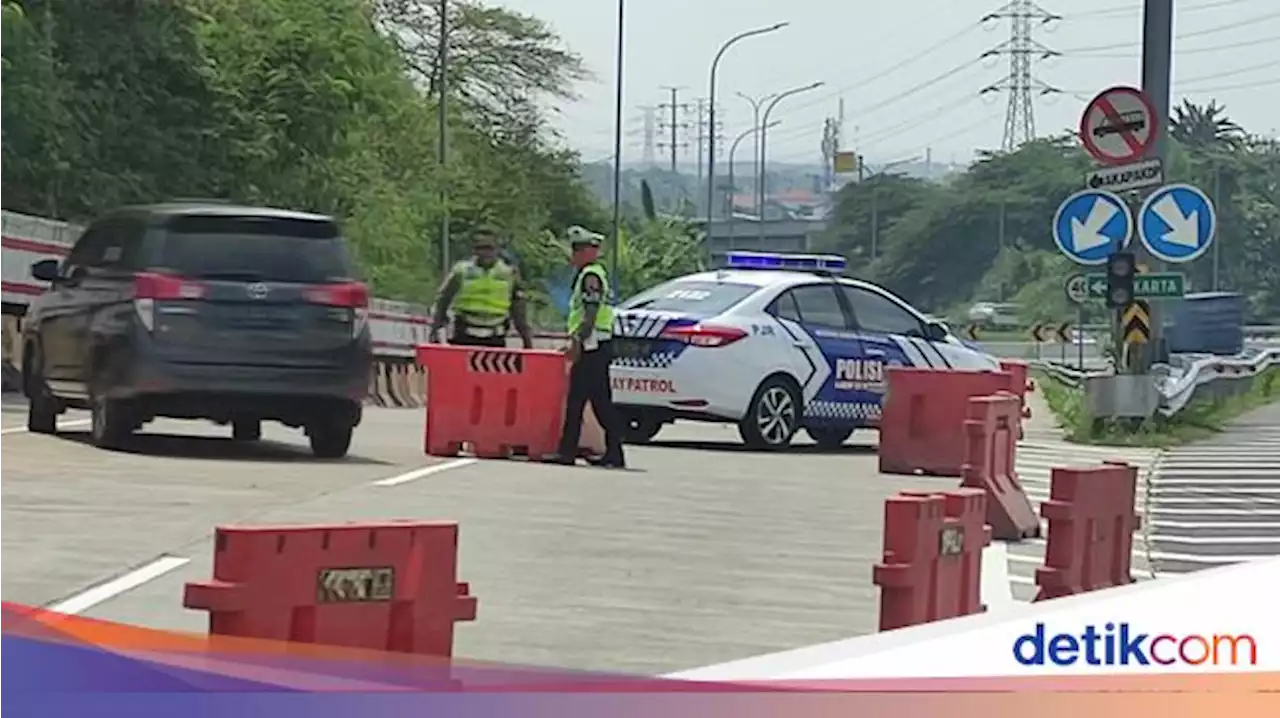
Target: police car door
(831, 354)
(891, 335)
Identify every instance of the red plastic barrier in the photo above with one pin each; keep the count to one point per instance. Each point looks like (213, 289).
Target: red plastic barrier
(497, 402)
(1091, 525)
(922, 424)
(932, 566)
(1020, 383)
(387, 586)
(991, 430)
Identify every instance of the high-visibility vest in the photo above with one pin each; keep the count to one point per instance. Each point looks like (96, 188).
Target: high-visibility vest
(577, 308)
(484, 295)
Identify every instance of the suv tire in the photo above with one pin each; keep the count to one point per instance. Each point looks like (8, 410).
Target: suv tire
(246, 430)
(42, 409)
(111, 425)
(330, 438)
(773, 416)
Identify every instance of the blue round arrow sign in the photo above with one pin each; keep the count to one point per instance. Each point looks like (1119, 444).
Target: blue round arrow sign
(1091, 225)
(1177, 223)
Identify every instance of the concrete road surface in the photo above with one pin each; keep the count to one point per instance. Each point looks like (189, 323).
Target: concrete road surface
(703, 553)
(1217, 501)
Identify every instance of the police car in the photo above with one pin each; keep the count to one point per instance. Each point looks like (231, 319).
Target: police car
(774, 343)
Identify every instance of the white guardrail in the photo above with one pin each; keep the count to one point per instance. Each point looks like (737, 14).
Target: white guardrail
(1179, 383)
(396, 327)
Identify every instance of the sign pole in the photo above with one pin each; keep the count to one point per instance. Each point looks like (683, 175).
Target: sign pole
(1157, 54)
(1080, 337)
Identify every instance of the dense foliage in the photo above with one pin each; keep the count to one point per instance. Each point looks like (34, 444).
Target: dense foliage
(323, 105)
(940, 245)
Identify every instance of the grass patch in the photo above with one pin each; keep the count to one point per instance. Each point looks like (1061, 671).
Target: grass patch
(1198, 420)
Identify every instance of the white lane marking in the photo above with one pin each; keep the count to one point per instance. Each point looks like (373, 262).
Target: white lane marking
(424, 472)
(105, 591)
(61, 425)
(994, 585)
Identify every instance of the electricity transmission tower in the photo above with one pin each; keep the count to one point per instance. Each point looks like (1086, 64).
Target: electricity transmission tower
(1023, 51)
(673, 127)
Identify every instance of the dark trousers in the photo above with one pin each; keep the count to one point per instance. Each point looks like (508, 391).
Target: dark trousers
(466, 340)
(589, 381)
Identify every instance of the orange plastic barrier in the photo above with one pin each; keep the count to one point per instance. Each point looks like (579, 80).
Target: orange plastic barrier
(497, 402)
(387, 586)
(1091, 525)
(922, 424)
(991, 430)
(932, 564)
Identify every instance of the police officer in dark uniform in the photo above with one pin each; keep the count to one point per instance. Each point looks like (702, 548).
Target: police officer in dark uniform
(590, 349)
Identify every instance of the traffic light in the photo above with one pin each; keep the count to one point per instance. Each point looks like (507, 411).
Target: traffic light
(1120, 268)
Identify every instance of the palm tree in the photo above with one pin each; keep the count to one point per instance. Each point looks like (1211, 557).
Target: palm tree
(1204, 127)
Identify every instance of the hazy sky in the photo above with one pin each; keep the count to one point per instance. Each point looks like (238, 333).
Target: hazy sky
(871, 53)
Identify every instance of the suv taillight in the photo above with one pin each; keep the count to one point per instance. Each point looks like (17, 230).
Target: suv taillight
(347, 295)
(151, 286)
(704, 335)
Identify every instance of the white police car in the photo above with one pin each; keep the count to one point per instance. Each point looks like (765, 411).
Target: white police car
(773, 343)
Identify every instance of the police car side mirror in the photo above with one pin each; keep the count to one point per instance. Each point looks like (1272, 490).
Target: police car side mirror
(935, 332)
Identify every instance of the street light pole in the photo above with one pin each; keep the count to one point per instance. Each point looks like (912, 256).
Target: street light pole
(755, 122)
(764, 133)
(711, 111)
(442, 129)
(733, 150)
(617, 155)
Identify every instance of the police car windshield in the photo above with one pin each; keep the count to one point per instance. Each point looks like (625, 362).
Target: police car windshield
(698, 299)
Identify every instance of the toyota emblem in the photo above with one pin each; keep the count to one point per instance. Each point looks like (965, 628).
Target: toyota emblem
(257, 290)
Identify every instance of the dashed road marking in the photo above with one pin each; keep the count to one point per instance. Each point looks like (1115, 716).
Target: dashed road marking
(424, 472)
(110, 589)
(61, 425)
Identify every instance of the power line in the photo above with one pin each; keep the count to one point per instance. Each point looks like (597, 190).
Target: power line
(1105, 12)
(820, 98)
(1185, 51)
(1023, 50)
(1181, 36)
(1237, 86)
(876, 106)
(1228, 73)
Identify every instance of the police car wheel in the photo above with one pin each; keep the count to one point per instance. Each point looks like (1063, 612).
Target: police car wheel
(639, 430)
(829, 437)
(772, 417)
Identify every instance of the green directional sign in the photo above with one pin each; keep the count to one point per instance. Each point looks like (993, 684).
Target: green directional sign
(1158, 285)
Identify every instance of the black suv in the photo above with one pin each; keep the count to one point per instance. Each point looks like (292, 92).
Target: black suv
(202, 310)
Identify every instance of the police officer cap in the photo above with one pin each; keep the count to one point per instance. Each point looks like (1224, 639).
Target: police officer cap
(581, 236)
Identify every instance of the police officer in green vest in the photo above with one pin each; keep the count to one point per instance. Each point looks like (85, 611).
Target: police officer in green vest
(590, 350)
(485, 295)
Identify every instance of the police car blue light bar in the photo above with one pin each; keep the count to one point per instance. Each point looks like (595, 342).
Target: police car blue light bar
(781, 261)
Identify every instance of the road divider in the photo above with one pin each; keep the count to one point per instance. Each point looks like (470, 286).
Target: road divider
(499, 403)
(1092, 519)
(932, 564)
(380, 586)
(922, 421)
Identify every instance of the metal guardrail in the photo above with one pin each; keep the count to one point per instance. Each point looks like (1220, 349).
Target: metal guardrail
(1189, 377)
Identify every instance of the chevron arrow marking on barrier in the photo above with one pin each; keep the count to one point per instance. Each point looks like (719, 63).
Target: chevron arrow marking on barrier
(1135, 322)
(1037, 333)
(491, 362)
(1063, 332)
(971, 332)
(356, 585)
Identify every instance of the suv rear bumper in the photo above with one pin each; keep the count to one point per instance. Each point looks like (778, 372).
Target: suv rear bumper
(224, 392)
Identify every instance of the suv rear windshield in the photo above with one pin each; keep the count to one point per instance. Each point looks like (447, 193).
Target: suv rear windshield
(699, 299)
(256, 249)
